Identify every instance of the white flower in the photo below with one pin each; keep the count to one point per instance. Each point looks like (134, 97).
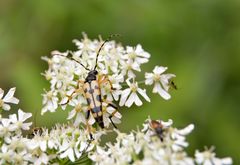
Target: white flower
(181, 158)
(100, 156)
(109, 59)
(128, 67)
(69, 148)
(40, 158)
(5, 127)
(79, 110)
(18, 122)
(107, 111)
(177, 137)
(109, 93)
(9, 98)
(208, 157)
(129, 95)
(137, 54)
(50, 101)
(5, 154)
(161, 81)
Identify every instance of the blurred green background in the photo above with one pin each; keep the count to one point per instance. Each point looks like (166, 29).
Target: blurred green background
(198, 40)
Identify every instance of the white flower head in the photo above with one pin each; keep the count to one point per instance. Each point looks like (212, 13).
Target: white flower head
(80, 108)
(161, 81)
(19, 121)
(8, 98)
(208, 157)
(129, 95)
(50, 101)
(137, 55)
(5, 130)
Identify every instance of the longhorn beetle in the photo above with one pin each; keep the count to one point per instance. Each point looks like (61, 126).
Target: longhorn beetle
(92, 92)
(158, 128)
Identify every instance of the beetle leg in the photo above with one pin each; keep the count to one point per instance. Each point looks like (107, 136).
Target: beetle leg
(77, 90)
(110, 104)
(103, 79)
(87, 124)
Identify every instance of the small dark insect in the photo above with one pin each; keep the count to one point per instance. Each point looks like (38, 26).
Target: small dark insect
(36, 131)
(173, 85)
(158, 128)
(90, 88)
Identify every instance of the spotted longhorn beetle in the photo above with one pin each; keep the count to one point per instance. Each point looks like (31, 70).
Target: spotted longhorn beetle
(92, 92)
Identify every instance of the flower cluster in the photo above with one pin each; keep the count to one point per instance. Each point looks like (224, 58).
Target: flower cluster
(120, 65)
(147, 146)
(61, 144)
(114, 69)
(157, 143)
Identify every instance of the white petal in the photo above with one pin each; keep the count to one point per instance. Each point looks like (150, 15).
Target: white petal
(64, 145)
(71, 114)
(6, 107)
(124, 96)
(136, 67)
(148, 78)
(186, 130)
(77, 153)
(1, 93)
(91, 120)
(83, 146)
(131, 99)
(66, 153)
(116, 119)
(167, 123)
(169, 76)
(226, 161)
(22, 116)
(80, 119)
(158, 89)
(26, 126)
(32, 144)
(71, 154)
(44, 158)
(13, 118)
(143, 93)
(5, 122)
(64, 100)
(131, 74)
(13, 100)
(159, 69)
(106, 120)
(9, 95)
(137, 101)
(141, 60)
(43, 145)
(118, 115)
(50, 144)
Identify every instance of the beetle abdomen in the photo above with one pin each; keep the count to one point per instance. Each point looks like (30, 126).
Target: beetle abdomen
(94, 99)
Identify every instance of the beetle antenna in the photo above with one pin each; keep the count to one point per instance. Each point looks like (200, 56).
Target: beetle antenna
(71, 58)
(111, 36)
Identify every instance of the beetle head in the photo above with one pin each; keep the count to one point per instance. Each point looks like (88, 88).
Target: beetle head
(92, 75)
(93, 72)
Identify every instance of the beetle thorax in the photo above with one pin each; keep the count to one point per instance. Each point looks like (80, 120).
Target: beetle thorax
(92, 75)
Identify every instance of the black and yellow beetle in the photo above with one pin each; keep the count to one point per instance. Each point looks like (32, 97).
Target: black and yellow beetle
(92, 92)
